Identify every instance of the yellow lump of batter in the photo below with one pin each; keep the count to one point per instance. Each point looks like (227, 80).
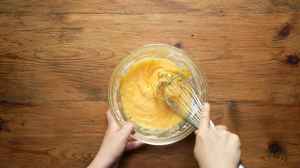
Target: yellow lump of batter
(140, 101)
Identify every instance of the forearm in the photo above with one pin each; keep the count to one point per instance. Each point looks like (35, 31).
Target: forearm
(98, 162)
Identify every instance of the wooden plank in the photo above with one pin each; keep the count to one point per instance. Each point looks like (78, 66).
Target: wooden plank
(87, 117)
(56, 118)
(60, 134)
(71, 57)
(64, 134)
(48, 151)
(220, 7)
(56, 58)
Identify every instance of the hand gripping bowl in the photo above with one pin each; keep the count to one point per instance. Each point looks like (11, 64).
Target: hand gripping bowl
(179, 57)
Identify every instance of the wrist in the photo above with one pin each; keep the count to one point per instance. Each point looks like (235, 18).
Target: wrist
(100, 162)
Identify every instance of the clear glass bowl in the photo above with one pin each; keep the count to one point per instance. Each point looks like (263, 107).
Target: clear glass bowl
(178, 56)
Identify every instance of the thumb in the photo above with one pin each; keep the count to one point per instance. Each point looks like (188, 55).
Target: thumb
(126, 130)
(112, 124)
(204, 122)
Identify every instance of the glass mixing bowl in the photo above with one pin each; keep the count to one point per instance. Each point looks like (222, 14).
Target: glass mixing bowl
(180, 58)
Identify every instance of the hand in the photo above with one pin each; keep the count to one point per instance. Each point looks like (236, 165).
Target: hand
(115, 142)
(216, 147)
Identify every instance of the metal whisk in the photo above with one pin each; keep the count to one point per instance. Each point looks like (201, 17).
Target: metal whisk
(180, 95)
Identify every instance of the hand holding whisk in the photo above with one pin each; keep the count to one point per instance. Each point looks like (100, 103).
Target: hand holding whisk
(180, 95)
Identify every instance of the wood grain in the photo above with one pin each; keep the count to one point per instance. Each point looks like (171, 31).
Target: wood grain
(56, 58)
(73, 51)
(59, 134)
(129, 7)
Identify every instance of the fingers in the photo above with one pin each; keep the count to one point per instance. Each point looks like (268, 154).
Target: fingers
(133, 145)
(235, 140)
(221, 128)
(131, 138)
(204, 122)
(221, 131)
(126, 130)
(112, 124)
(109, 116)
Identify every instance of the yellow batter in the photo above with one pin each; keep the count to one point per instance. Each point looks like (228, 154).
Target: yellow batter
(141, 102)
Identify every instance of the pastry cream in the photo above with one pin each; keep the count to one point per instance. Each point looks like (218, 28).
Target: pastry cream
(140, 98)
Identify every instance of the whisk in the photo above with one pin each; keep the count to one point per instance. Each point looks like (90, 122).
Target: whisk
(179, 94)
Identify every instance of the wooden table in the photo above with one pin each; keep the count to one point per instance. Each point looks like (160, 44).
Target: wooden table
(56, 58)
